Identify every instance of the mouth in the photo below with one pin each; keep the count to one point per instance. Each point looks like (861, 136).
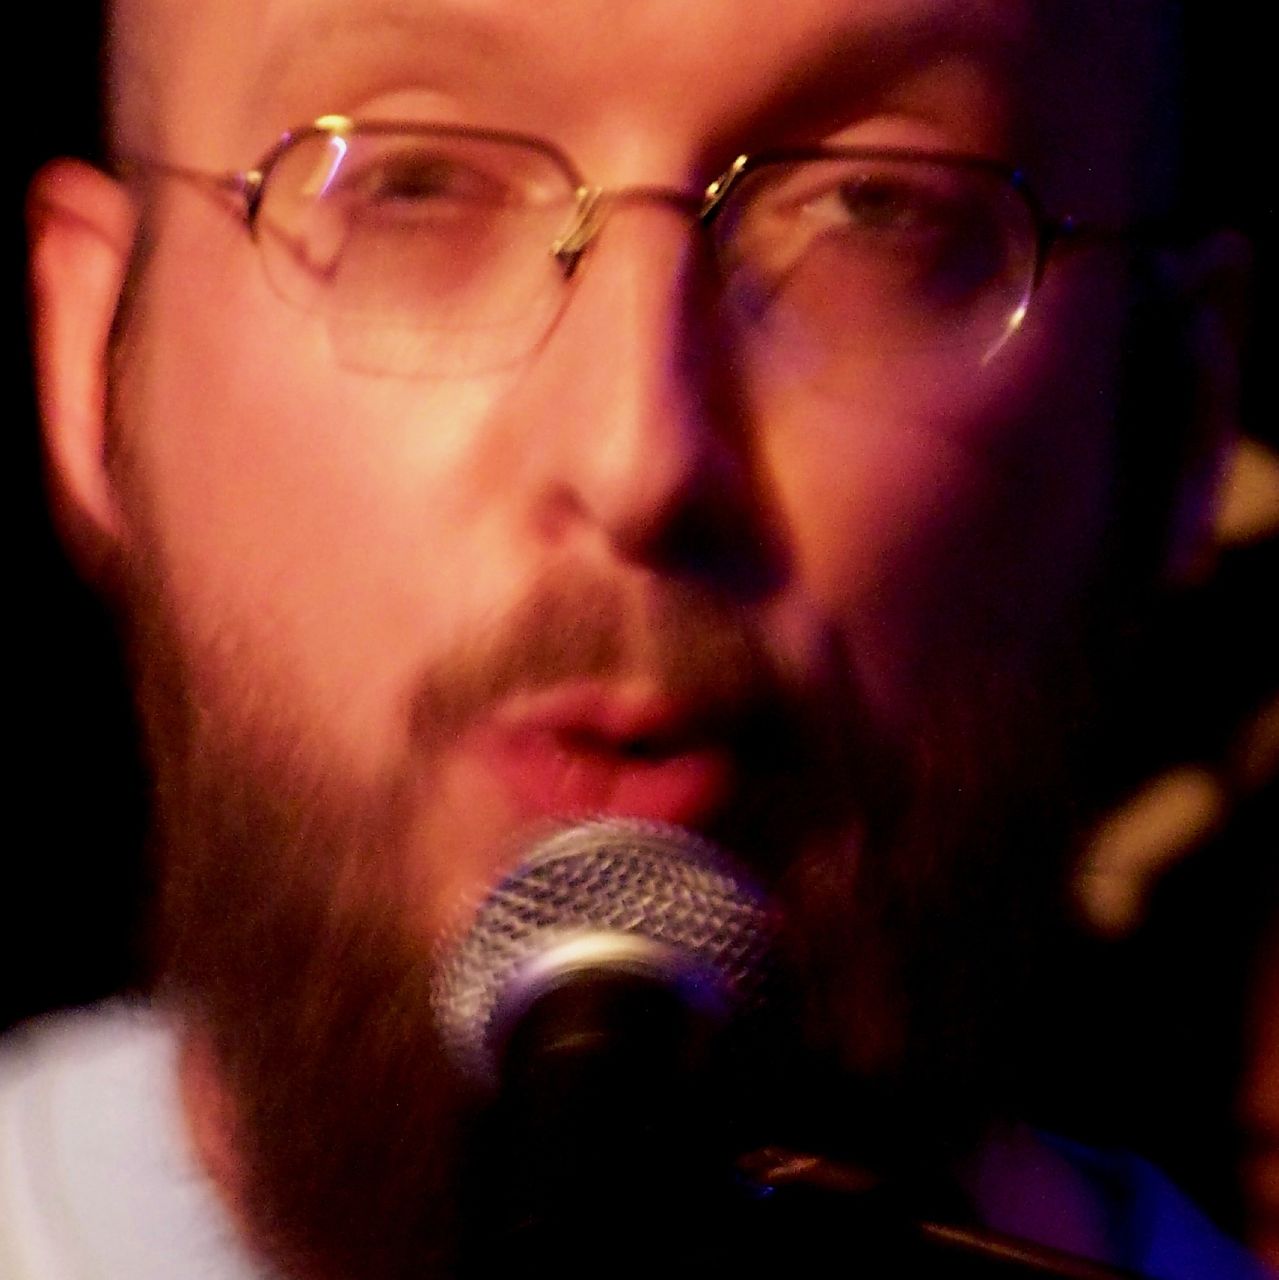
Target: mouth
(587, 750)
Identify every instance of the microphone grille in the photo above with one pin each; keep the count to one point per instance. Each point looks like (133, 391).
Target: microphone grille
(638, 882)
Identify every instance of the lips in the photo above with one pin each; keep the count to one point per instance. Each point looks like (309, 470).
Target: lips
(591, 750)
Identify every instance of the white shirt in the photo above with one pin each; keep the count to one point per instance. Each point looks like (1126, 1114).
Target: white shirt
(97, 1177)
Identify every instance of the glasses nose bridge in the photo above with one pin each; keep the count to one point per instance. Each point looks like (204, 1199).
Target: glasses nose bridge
(595, 205)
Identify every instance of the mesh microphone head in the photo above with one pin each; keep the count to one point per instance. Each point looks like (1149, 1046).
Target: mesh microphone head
(637, 897)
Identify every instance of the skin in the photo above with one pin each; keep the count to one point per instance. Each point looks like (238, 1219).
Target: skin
(331, 549)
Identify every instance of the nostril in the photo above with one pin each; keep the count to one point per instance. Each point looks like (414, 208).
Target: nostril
(642, 748)
(598, 744)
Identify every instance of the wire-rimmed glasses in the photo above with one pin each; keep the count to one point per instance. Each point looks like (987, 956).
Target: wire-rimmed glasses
(437, 250)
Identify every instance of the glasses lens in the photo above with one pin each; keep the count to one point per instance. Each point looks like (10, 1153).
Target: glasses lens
(875, 259)
(426, 250)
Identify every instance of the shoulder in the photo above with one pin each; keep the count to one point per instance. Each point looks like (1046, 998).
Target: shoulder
(73, 1082)
(78, 1041)
(1154, 1224)
(1108, 1205)
(96, 1176)
(67, 1120)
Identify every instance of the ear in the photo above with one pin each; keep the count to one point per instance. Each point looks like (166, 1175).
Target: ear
(80, 228)
(1209, 281)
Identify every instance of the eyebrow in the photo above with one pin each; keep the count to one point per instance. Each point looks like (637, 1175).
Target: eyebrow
(441, 44)
(454, 47)
(876, 55)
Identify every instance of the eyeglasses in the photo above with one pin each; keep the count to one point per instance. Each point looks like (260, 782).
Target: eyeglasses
(436, 251)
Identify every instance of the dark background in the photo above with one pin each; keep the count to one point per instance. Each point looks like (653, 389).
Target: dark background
(1146, 1031)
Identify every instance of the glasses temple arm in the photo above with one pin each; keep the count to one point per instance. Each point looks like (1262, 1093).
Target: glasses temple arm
(243, 187)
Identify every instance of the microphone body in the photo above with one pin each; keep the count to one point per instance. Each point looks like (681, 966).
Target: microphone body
(603, 1002)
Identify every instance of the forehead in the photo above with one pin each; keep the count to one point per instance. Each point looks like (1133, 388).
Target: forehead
(1014, 76)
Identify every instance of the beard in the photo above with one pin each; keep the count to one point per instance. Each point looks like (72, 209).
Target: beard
(918, 877)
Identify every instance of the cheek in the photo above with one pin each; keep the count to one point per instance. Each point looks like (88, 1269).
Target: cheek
(327, 530)
(953, 521)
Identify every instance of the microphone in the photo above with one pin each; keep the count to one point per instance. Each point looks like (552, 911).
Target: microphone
(598, 1004)
(611, 905)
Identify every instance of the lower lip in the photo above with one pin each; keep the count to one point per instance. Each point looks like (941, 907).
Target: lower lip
(551, 775)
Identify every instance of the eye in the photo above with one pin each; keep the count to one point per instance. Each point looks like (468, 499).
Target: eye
(887, 208)
(893, 202)
(879, 202)
(940, 229)
(415, 178)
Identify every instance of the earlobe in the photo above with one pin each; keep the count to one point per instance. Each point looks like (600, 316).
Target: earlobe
(1210, 281)
(80, 226)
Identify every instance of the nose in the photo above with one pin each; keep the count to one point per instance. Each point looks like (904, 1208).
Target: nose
(646, 434)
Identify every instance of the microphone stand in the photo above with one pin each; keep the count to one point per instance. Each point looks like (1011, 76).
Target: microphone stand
(815, 1194)
(562, 1190)
(613, 1149)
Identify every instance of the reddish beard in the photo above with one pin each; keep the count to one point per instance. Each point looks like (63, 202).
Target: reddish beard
(285, 936)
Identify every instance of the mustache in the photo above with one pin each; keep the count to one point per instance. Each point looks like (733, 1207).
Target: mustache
(690, 643)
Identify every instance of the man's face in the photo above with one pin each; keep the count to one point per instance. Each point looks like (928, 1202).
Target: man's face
(485, 592)
(390, 625)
